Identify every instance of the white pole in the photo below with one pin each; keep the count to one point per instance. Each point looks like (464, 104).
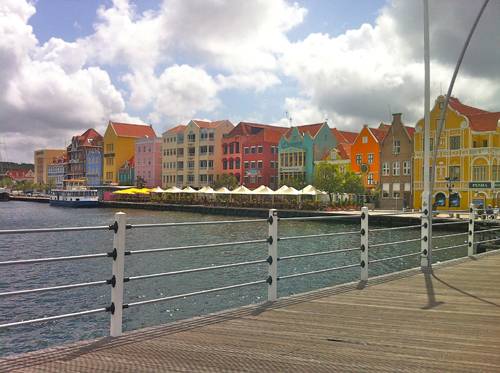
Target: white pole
(472, 216)
(118, 270)
(272, 259)
(426, 233)
(364, 244)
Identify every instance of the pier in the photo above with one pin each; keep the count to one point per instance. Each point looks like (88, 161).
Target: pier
(444, 317)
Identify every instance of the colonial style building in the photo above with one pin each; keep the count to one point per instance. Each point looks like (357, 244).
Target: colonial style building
(21, 175)
(396, 152)
(119, 147)
(148, 161)
(250, 153)
(126, 173)
(43, 158)
(197, 150)
(299, 148)
(468, 157)
(365, 154)
(85, 159)
(56, 171)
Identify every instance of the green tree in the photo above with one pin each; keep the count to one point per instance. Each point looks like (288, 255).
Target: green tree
(297, 182)
(6, 182)
(225, 180)
(140, 182)
(327, 178)
(352, 183)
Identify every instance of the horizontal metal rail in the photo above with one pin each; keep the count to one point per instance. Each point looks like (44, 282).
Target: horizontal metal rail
(392, 258)
(318, 271)
(393, 243)
(172, 297)
(450, 235)
(188, 223)
(317, 235)
(193, 270)
(190, 247)
(448, 247)
(55, 259)
(449, 223)
(494, 239)
(487, 230)
(394, 228)
(317, 253)
(322, 217)
(51, 318)
(48, 230)
(60, 287)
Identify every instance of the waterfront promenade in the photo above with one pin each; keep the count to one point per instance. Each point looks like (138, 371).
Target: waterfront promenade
(448, 320)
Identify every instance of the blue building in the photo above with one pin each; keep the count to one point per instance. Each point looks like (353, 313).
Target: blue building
(126, 173)
(299, 148)
(85, 159)
(93, 167)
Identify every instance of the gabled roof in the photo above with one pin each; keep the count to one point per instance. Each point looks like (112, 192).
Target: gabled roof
(132, 130)
(344, 150)
(410, 131)
(344, 137)
(270, 133)
(479, 120)
(378, 133)
(214, 124)
(177, 129)
(89, 138)
(311, 129)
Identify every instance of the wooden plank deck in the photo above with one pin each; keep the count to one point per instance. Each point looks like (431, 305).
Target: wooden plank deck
(448, 320)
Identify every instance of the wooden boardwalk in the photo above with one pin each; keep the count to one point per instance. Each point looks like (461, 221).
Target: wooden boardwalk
(448, 320)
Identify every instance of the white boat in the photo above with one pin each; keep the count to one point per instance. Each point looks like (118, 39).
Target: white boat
(74, 197)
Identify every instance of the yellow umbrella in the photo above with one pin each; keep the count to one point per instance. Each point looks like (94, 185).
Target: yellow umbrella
(125, 191)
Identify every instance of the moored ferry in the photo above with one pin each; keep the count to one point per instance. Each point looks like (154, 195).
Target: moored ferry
(74, 198)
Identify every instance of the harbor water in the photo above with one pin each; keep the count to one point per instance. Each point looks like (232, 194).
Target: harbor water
(17, 215)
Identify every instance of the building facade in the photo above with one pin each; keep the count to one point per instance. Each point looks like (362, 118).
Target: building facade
(148, 161)
(197, 150)
(126, 173)
(119, 147)
(21, 175)
(250, 153)
(43, 158)
(299, 148)
(85, 159)
(57, 171)
(365, 154)
(468, 157)
(396, 154)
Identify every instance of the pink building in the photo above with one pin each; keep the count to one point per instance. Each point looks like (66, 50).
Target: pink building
(148, 161)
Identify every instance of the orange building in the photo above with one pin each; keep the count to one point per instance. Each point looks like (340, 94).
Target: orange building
(365, 154)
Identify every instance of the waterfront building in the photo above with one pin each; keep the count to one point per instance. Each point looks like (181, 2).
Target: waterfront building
(119, 146)
(299, 148)
(250, 153)
(126, 173)
(396, 154)
(197, 150)
(20, 175)
(56, 171)
(85, 159)
(44, 157)
(468, 157)
(148, 161)
(365, 154)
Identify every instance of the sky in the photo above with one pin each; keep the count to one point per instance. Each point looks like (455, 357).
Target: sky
(69, 65)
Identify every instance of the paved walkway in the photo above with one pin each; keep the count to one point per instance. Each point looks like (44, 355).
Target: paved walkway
(448, 320)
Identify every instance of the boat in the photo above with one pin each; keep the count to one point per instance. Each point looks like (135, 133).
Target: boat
(81, 197)
(4, 195)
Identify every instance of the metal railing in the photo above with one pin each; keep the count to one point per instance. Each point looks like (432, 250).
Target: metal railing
(118, 253)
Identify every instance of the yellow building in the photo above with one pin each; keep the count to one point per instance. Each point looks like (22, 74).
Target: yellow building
(43, 158)
(119, 147)
(468, 158)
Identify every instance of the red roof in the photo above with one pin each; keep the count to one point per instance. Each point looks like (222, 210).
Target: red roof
(344, 150)
(479, 120)
(132, 130)
(18, 173)
(378, 133)
(410, 130)
(311, 129)
(344, 137)
(214, 124)
(177, 129)
(270, 133)
(88, 138)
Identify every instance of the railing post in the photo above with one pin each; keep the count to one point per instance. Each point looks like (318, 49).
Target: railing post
(472, 217)
(118, 255)
(426, 232)
(364, 243)
(272, 259)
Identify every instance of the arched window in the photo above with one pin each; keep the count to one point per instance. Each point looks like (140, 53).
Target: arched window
(454, 200)
(440, 199)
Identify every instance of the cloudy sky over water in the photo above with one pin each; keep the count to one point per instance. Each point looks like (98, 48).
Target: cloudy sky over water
(67, 65)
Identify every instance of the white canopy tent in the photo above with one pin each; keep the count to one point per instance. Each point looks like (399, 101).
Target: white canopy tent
(157, 190)
(207, 190)
(263, 189)
(223, 190)
(241, 190)
(173, 189)
(188, 190)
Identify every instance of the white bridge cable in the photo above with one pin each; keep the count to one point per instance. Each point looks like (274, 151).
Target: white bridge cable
(492, 240)
(51, 318)
(393, 243)
(172, 297)
(322, 217)
(392, 258)
(450, 235)
(49, 230)
(54, 259)
(318, 271)
(316, 235)
(188, 223)
(394, 228)
(487, 230)
(449, 247)
(60, 287)
(190, 247)
(317, 253)
(201, 269)
(450, 222)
